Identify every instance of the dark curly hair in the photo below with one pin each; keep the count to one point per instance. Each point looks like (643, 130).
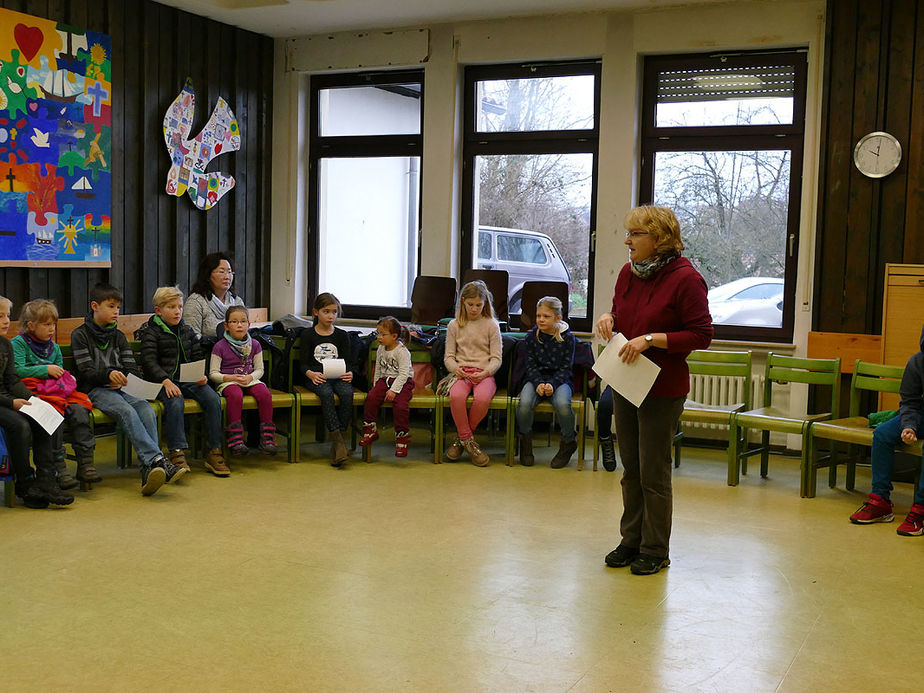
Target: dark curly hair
(203, 286)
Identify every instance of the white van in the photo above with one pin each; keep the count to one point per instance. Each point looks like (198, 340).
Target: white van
(525, 255)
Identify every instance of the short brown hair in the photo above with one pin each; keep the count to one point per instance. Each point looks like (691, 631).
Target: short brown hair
(660, 222)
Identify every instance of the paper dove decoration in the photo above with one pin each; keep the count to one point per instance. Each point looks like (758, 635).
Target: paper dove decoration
(39, 139)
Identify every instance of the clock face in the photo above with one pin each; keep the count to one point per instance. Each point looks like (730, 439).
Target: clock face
(877, 154)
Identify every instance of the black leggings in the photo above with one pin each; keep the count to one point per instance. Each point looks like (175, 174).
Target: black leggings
(22, 433)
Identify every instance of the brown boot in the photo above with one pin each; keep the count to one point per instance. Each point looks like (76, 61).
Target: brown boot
(86, 472)
(563, 456)
(338, 450)
(178, 459)
(479, 457)
(215, 463)
(526, 450)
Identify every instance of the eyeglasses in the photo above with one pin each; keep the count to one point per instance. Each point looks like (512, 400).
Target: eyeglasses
(223, 271)
(636, 234)
(238, 322)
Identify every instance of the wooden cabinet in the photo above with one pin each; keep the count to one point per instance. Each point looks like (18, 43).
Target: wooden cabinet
(902, 318)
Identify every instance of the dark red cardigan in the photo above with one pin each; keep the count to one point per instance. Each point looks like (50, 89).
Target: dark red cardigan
(673, 301)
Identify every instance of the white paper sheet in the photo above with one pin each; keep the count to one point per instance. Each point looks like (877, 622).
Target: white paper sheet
(191, 372)
(333, 368)
(47, 416)
(632, 380)
(143, 389)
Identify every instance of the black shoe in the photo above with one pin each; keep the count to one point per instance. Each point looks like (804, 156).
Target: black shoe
(30, 494)
(608, 453)
(563, 456)
(620, 557)
(172, 471)
(47, 489)
(646, 564)
(152, 478)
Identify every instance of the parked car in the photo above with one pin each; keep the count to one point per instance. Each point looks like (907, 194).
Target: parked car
(525, 255)
(756, 301)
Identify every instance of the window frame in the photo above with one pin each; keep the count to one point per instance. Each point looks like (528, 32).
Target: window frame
(790, 137)
(356, 147)
(574, 141)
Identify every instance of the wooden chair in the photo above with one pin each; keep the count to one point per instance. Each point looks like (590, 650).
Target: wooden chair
(424, 397)
(498, 283)
(735, 368)
(532, 292)
(432, 299)
(781, 369)
(853, 430)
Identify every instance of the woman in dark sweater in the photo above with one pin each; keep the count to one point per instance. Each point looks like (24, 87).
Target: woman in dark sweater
(660, 306)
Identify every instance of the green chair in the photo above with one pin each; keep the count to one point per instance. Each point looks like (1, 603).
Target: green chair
(853, 430)
(424, 397)
(726, 364)
(771, 417)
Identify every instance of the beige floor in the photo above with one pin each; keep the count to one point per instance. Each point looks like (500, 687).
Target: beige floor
(408, 576)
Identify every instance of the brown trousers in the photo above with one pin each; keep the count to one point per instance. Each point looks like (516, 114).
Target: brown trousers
(645, 437)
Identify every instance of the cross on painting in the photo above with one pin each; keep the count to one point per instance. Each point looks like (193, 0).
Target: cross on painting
(55, 143)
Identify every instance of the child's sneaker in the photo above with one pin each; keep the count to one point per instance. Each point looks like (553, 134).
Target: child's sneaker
(178, 458)
(402, 438)
(152, 478)
(215, 463)
(479, 457)
(454, 451)
(875, 509)
(370, 433)
(172, 471)
(913, 526)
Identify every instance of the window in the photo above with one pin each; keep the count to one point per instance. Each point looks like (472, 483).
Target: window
(722, 140)
(530, 158)
(364, 177)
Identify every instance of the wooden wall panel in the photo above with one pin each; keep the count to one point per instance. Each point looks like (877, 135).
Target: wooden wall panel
(874, 80)
(159, 239)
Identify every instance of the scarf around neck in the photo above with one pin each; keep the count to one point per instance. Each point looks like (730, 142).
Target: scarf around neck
(651, 266)
(219, 308)
(101, 335)
(41, 349)
(241, 347)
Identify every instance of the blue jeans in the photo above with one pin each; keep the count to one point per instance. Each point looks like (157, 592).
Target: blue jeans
(135, 416)
(336, 417)
(885, 437)
(561, 402)
(208, 399)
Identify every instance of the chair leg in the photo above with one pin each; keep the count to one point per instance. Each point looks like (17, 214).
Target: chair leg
(733, 457)
(808, 480)
(8, 492)
(851, 464)
(832, 466)
(582, 412)
(764, 453)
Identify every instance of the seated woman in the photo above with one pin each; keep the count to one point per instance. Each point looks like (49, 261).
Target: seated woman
(211, 295)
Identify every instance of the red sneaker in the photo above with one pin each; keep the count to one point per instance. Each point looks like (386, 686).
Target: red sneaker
(913, 526)
(875, 509)
(370, 434)
(401, 441)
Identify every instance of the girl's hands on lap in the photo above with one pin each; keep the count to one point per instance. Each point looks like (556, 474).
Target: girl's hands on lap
(390, 396)
(202, 381)
(545, 389)
(460, 373)
(476, 378)
(604, 327)
(55, 371)
(315, 377)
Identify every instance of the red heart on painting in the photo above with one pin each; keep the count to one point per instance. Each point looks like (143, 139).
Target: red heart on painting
(29, 39)
(217, 148)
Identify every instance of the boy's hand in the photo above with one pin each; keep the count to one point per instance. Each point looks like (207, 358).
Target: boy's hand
(19, 403)
(909, 437)
(390, 396)
(347, 377)
(315, 377)
(117, 379)
(55, 371)
(171, 389)
(202, 381)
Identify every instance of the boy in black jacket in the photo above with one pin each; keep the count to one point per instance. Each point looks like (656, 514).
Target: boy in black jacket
(22, 432)
(102, 362)
(907, 427)
(167, 343)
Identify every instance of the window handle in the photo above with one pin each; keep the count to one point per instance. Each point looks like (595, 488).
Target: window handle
(792, 239)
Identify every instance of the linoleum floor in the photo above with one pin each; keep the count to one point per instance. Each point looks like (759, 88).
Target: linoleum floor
(410, 576)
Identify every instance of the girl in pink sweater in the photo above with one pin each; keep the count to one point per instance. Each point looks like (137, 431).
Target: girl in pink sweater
(473, 355)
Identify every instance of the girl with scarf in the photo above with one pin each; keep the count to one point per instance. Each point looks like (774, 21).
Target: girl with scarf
(211, 295)
(660, 306)
(41, 366)
(236, 365)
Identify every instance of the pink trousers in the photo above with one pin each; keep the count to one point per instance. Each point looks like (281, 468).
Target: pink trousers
(467, 421)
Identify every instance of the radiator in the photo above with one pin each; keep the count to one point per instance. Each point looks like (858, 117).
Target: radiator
(716, 389)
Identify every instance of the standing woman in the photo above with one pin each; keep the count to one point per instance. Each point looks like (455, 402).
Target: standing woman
(211, 296)
(660, 306)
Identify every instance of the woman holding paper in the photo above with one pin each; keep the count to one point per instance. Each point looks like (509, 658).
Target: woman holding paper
(660, 307)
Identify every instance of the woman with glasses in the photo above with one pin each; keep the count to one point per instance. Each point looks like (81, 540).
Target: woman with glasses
(660, 306)
(211, 296)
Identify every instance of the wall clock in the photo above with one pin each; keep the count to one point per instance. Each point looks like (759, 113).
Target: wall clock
(877, 154)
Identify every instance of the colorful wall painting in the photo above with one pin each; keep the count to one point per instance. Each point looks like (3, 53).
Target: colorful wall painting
(190, 158)
(55, 144)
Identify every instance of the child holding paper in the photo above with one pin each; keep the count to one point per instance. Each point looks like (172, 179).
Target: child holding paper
(166, 344)
(103, 360)
(320, 343)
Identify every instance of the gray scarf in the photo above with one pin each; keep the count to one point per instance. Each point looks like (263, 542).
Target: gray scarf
(651, 266)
